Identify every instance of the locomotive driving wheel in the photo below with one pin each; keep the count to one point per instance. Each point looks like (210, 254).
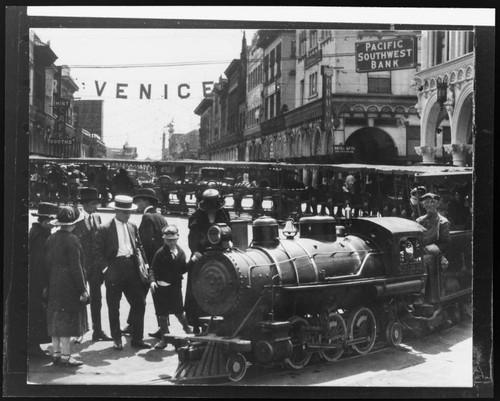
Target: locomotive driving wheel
(236, 366)
(299, 357)
(362, 329)
(336, 335)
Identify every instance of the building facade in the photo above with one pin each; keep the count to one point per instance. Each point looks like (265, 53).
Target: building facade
(126, 152)
(445, 88)
(336, 96)
(53, 124)
(184, 146)
(89, 117)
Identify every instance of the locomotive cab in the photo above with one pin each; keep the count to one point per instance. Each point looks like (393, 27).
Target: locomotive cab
(399, 239)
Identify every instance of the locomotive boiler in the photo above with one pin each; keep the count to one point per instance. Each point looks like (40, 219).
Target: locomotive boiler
(325, 291)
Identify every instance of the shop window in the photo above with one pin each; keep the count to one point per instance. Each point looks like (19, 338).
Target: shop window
(302, 43)
(313, 84)
(325, 34)
(278, 60)
(266, 66)
(313, 39)
(379, 82)
(271, 65)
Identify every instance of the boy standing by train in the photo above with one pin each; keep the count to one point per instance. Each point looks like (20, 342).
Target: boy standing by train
(168, 267)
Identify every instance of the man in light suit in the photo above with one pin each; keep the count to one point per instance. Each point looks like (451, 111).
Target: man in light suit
(85, 230)
(115, 249)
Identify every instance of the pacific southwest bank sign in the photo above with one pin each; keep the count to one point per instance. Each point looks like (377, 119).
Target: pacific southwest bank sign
(383, 55)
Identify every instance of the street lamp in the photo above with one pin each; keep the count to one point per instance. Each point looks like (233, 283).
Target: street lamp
(441, 93)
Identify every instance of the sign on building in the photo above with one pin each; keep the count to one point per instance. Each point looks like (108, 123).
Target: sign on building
(384, 55)
(327, 73)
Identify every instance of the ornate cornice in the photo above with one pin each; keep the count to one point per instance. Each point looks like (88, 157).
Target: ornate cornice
(453, 71)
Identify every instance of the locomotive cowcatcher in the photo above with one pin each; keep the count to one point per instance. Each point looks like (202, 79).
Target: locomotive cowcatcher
(334, 288)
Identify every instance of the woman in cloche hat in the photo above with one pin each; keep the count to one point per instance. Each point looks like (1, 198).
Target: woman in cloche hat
(37, 278)
(68, 296)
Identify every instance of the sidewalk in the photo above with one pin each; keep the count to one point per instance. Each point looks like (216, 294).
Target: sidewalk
(104, 365)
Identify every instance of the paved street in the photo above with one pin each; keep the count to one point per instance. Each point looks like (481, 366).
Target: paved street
(440, 360)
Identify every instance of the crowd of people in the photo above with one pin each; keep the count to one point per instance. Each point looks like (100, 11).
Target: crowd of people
(73, 254)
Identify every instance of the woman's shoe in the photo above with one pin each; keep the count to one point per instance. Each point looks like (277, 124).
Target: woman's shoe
(161, 345)
(56, 360)
(69, 363)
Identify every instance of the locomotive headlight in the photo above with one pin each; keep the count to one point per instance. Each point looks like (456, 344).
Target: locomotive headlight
(219, 234)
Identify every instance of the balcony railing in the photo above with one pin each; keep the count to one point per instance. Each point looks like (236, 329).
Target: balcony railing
(308, 112)
(274, 124)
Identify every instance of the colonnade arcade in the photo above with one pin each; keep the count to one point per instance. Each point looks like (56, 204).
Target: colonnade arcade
(454, 110)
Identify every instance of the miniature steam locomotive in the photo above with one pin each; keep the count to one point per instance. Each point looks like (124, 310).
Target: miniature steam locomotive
(282, 301)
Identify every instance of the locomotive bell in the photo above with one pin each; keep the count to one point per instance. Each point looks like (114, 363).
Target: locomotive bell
(265, 231)
(289, 231)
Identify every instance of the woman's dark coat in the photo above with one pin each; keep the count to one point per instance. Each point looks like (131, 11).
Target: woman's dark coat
(64, 261)
(37, 279)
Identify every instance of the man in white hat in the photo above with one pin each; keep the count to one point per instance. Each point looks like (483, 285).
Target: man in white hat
(115, 247)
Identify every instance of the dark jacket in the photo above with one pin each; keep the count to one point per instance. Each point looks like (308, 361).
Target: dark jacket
(86, 236)
(167, 268)
(121, 184)
(438, 231)
(106, 243)
(199, 224)
(37, 280)
(150, 233)
(37, 270)
(64, 261)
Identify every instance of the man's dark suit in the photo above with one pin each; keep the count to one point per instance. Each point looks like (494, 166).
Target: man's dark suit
(86, 232)
(122, 276)
(150, 233)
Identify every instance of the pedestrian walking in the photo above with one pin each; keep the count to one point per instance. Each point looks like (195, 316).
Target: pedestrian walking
(168, 267)
(102, 184)
(150, 234)
(115, 248)
(210, 211)
(85, 230)
(122, 184)
(38, 278)
(67, 293)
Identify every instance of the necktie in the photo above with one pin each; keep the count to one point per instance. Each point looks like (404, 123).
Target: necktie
(93, 224)
(126, 237)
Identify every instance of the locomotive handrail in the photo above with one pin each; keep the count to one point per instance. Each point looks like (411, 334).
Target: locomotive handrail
(312, 256)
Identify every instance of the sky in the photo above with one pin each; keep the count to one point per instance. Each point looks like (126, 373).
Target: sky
(113, 64)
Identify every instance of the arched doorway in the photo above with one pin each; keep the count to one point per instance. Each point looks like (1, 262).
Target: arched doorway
(372, 146)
